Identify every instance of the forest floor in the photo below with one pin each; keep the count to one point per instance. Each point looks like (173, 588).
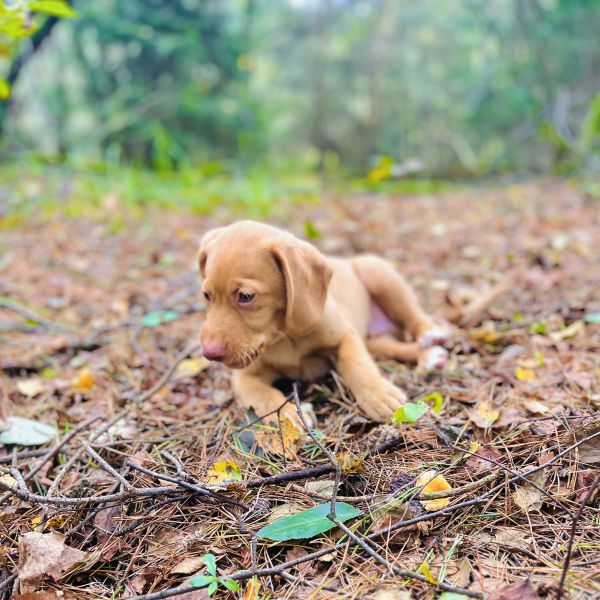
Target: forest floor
(98, 332)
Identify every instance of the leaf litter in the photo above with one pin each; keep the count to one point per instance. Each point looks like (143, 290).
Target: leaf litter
(520, 388)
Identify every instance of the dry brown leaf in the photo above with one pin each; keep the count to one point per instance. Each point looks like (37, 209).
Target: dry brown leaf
(47, 595)
(462, 577)
(522, 590)
(45, 554)
(393, 592)
(188, 565)
(30, 387)
(252, 589)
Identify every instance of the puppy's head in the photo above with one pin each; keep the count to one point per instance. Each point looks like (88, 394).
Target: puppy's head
(258, 282)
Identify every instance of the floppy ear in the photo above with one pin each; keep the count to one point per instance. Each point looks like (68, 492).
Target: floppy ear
(207, 239)
(307, 276)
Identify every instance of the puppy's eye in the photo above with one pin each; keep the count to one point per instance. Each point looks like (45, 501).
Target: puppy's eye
(244, 298)
(207, 296)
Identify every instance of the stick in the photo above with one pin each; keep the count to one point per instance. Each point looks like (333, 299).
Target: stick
(567, 561)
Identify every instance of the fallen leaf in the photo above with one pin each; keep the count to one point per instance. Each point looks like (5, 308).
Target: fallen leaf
(523, 374)
(462, 577)
(43, 554)
(9, 480)
(527, 497)
(453, 596)
(584, 481)
(158, 317)
(576, 329)
(47, 595)
(522, 590)
(433, 482)
(484, 415)
(428, 574)
(252, 589)
(325, 487)
(83, 382)
(394, 592)
(26, 432)
(478, 463)
(224, 471)
(351, 462)
(409, 413)
(307, 523)
(188, 566)
(279, 440)
(190, 368)
(536, 407)
(30, 387)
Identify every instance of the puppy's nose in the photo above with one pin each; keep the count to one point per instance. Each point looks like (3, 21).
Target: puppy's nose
(214, 351)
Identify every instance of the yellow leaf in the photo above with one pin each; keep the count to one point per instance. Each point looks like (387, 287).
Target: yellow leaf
(351, 463)
(83, 381)
(224, 471)
(523, 374)
(39, 524)
(30, 387)
(428, 574)
(252, 589)
(4, 90)
(484, 415)
(278, 440)
(190, 367)
(9, 480)
(432, 483)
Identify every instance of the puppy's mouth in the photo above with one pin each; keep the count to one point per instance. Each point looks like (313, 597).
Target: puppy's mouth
(243, 358)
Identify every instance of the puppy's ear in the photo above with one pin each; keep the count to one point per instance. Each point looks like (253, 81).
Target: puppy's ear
(207, 239)
(307, 276)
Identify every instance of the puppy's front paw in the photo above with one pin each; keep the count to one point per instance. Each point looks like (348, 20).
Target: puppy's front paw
(380, 401)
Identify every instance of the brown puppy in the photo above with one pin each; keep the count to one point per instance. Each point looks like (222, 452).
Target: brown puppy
(277, 307)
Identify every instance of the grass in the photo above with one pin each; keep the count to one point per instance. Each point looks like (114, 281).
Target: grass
(42, 189)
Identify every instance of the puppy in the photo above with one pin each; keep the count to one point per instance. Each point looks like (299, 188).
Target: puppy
(277, 307)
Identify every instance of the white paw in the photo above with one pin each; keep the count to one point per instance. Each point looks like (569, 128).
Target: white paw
(436, 336)
(433, 359)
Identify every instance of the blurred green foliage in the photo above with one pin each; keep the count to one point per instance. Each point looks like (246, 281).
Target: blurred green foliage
(354, 87)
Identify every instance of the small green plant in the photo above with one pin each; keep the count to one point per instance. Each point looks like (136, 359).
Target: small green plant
(212, 580)
(411, 413)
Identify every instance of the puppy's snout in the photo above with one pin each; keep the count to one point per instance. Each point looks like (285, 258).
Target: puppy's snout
(214, 351)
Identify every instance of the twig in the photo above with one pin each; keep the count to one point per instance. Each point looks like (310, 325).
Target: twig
(198, 489)
(332, 516)
(334, 463)
(567, 561)
(142, 397)
(112, 471)
(401, 572)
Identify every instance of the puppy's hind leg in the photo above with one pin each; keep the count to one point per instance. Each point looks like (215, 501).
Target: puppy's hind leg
(388, 347)
(399, 302)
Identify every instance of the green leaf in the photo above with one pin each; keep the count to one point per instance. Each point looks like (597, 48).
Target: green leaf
(453, 596)
(593, 318)
(230, 584)
(4, 89)
(212, 588)
(25, 432)
(211, 563)
(201, 581)
(437, 399)
(56, 8)
(158, 317)
(409, 413)
(308, 523)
